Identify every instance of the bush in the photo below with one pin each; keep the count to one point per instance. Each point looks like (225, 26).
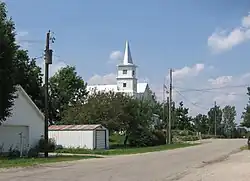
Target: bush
(160, 137)
(180, 139)
(33, 153)
(50, 147)
(140, 138)
(143, 137)
(13, 153)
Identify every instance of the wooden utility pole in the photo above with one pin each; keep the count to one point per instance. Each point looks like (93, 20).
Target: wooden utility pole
(170, 107)
(47, 61)
(165, 90)
(215, 119)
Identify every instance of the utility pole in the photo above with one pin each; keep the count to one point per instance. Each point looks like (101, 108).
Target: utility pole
(215, 119)
(165, 90)
(170, 106)
(47, 61)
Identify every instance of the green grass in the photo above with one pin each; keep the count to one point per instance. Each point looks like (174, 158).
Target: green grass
(25, 162)
(244, 147)
(123, 151)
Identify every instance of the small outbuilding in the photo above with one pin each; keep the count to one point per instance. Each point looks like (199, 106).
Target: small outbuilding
(80, 136)
(25, 127)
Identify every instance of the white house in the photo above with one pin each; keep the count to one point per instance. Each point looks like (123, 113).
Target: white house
(126, 79)
(91, 137)
(25, 127)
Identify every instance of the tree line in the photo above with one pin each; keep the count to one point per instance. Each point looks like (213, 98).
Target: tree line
(142, 122)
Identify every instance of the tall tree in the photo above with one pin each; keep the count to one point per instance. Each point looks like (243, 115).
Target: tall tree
(201, 123)
(182, 120)
(228, 123)
(246, 114)
(29, 76)
(8, 49)
(215, 118)
(65, 88)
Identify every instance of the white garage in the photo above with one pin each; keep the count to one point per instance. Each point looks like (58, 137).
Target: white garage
(25, 127)
(80, 136)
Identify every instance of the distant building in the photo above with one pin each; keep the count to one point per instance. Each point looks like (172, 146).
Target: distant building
(126, 79)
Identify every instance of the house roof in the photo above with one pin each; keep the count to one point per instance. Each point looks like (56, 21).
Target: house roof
(75, 127)
(141, 87)
(31, 103)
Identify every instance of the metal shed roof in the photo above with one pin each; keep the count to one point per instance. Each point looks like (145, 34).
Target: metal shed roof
(75, 127)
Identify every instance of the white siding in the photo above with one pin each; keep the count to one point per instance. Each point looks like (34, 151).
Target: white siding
(24, 114)
(73, 139)
(10, 138)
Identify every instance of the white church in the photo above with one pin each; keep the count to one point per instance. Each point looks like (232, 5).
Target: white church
(126, 79)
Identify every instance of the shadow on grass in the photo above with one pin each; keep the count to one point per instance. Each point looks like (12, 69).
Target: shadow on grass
(25, 162)
(121, 150)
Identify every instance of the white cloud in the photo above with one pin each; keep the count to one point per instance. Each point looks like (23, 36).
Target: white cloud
(188, 71)
(115, 56)
(225, 40)
(106, 79)
(21, 37)
(53, 68)
(221, 81)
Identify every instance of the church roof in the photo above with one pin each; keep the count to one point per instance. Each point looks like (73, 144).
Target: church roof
(127, 59)
(141, 87)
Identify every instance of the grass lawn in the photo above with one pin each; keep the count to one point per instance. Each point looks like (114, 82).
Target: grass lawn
(244, 147)
(123, 151)
(24, 162)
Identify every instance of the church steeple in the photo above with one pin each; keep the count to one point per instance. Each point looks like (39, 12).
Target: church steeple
(127, 55)
(126, 74)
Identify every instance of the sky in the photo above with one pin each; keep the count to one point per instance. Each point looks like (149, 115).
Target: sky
(205, 42)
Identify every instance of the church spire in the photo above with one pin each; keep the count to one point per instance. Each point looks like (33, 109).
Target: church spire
(127, 55)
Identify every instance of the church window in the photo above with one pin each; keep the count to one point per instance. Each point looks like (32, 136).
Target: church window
(124, 85)
(124, 71)
(133, 73)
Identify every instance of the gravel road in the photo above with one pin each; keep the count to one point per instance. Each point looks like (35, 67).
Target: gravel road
(180, 164)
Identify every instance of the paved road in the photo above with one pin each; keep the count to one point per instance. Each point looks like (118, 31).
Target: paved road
(234, 168)
(158, 166)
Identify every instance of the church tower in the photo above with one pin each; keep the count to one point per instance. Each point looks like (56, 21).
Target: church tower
(126, 74)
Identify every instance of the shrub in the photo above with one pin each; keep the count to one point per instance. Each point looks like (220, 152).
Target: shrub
(50, 147)
(160, 137)
(180, 139)
(13, 153)
(140, 138)
(33, 152)
(144, 137)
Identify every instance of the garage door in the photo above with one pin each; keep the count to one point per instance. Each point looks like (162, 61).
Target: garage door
(100, 139)
(14, 136)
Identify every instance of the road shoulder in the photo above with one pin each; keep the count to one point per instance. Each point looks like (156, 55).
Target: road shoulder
(235, 167)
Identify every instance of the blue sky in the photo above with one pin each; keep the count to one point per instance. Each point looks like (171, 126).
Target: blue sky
(163, 34)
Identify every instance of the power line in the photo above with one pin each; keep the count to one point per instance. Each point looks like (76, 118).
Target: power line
(215, 88)
(218, 92)
(194, 104)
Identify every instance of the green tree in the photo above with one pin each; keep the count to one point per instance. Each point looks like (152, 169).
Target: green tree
(246, 114)
(119, 113)
(65, 88)
(181, 120)
(215, 117)
(29, 76)
(104, 108)
(8, 66)
(201, 123)
(228, 123)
